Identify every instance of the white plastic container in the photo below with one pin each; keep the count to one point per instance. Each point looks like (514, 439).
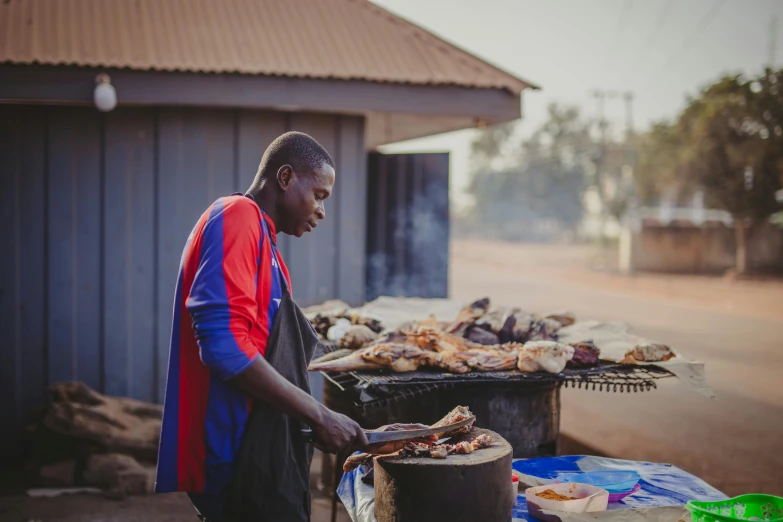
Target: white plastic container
(587, 499)
(514, 488)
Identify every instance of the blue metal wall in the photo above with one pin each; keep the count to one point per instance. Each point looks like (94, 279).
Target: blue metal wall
(94, 212)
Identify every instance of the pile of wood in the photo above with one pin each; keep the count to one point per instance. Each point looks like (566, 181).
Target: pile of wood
(84, 438)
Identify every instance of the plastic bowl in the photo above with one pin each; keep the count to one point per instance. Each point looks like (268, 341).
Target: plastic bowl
(587, 499)
(744, 507)
(617, 497)
(618, 481)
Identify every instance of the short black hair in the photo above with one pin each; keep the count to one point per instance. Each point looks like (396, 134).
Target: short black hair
(297, 149)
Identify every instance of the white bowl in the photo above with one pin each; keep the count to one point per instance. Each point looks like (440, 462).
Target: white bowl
(588, 498)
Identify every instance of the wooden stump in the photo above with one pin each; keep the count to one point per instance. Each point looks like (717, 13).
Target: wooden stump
(470, 488)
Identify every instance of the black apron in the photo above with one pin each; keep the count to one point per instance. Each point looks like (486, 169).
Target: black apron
(272, 478)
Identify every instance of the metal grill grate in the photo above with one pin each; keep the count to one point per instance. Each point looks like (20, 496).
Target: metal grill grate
(371, 389)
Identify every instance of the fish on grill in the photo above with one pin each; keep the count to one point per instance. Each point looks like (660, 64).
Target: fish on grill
(353, 362)
(549, 356)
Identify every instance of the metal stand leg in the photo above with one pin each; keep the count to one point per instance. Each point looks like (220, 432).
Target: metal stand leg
(338, 474)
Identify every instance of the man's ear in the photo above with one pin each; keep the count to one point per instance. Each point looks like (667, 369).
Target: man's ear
(285, 175)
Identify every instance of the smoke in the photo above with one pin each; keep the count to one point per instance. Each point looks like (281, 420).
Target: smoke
(413, 258)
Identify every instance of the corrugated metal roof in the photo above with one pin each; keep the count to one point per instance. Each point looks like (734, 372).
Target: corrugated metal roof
(338, 39)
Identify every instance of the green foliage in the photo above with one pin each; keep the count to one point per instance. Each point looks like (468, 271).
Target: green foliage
(728, 141)
(544, 183)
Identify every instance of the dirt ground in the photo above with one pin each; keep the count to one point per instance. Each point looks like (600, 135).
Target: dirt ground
(174, 507)
(734, 326)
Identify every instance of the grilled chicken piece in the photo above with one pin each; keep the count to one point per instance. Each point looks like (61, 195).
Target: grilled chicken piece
(478, 359)
(544, 355)
(398, 357)
(649, 352)
(357, 336)
(468, 316)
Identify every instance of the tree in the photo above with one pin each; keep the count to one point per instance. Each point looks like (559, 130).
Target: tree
(543, 183)
(732, 146)
(659, 171)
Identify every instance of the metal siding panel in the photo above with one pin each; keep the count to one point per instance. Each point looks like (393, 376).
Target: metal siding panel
(195, 166)
(257, 129)
(22, 270)
(74, 266)
(129, 254)
(351, 212)
(313, 257)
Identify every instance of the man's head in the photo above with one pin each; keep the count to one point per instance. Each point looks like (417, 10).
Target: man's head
(295, 177)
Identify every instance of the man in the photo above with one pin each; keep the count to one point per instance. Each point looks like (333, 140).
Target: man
(240, 348)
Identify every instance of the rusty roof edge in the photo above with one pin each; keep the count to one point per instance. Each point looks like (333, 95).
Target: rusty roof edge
(97, 65)
(397, 17)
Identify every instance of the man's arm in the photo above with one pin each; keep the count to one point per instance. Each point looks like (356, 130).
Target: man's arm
(333, 431)
(222, 304)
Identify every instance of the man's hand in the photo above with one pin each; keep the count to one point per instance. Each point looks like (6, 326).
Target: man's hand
(335, 432)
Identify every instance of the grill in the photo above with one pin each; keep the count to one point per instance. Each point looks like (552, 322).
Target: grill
(378, 388)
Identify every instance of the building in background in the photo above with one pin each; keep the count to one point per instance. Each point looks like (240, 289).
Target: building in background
(96, 206)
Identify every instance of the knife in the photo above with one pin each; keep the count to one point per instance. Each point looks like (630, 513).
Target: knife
(375, 437)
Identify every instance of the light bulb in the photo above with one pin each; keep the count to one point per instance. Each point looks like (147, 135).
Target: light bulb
(105, 95)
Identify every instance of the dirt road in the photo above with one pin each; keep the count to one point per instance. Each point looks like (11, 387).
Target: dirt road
(735, 327)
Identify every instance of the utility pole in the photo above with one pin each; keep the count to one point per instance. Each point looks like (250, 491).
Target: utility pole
(773, 40)
(628, 96)
(628, 151)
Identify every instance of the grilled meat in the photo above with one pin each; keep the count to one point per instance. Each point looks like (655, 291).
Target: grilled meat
(357, 336)
(481, 336)
(478, 359)
(649, 352)
(398, 357)
(354, 461)
(468, 316)
(460, 413)
(585, 355)
(564, 318)
(544, 355)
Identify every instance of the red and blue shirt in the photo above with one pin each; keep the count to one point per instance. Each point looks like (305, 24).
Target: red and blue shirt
(227, 294)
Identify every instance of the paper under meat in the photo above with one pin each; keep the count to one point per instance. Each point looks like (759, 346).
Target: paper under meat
(615, 340)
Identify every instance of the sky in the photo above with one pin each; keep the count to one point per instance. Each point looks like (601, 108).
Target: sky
(660, 50)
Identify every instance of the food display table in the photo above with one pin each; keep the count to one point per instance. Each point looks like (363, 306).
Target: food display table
(661, 485)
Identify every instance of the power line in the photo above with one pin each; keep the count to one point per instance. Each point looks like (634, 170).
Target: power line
(659, 22)
(705, 22)
(621, 21)
(773, 40)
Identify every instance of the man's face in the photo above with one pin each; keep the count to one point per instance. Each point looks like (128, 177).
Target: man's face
(304, 194)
